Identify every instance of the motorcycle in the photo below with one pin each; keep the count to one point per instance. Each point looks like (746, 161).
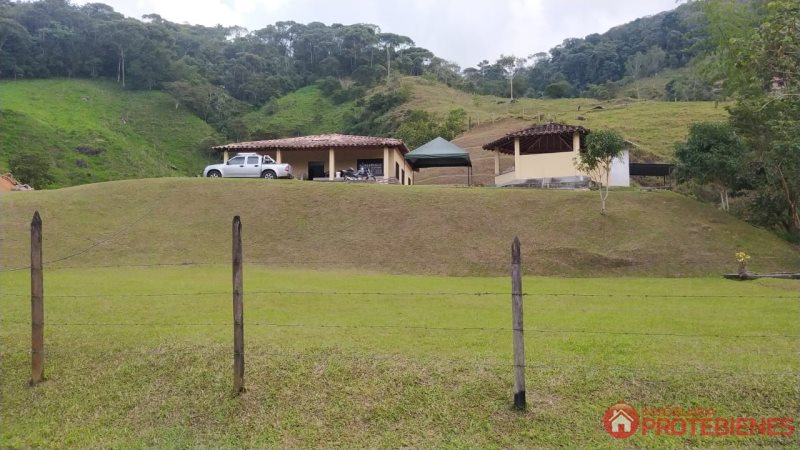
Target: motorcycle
(362, 174)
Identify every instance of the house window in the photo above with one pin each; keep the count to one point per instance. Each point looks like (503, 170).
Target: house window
(374, 165)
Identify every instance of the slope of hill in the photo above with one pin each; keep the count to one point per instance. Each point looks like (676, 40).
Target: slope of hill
(95, 131)
(304, 111)
(417, 229)
(654, 126)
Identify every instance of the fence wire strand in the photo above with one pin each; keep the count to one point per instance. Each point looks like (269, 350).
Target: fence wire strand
(411, 294)
(407, 327)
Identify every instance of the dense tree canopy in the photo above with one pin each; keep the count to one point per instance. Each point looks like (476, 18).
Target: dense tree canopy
(53, 38)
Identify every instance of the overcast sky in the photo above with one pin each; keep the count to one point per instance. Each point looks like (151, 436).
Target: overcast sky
(464, 31)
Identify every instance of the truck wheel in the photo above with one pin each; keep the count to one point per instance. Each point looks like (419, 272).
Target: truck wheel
(214, 174)
(269, 174)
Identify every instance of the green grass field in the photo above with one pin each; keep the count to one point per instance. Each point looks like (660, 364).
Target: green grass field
(424, 364)
(358, 335)
(393, 229)
(138, 133)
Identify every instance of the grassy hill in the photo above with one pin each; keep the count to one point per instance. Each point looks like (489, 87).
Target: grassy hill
(419, 229)
(95, 131)
(305, 111)
(342, 353)
(654, 126)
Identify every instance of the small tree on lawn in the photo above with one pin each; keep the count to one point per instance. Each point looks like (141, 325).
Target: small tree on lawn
(601, 149)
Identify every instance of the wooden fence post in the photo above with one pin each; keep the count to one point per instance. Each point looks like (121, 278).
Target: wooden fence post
(37, 302)
(238, 309)
(519, 342)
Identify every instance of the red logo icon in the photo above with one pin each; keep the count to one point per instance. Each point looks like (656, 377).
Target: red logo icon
(621, 420)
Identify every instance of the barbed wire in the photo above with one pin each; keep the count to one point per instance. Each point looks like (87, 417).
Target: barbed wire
(321, 356)
(125, 227)
(406, 327)
(413, 294)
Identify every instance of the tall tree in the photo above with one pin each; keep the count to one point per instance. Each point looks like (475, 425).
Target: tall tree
(511, 65)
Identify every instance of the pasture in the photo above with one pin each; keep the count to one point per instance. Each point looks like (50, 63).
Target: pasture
(142, 357)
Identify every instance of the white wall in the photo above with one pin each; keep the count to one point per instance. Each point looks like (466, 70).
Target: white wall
(620, 170)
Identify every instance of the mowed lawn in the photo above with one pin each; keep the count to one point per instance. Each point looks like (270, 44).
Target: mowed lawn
(142, 357)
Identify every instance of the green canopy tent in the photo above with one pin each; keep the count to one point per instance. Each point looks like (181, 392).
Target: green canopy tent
(440, 153)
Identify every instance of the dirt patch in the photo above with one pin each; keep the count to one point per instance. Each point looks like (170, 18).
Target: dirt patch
(89, 151)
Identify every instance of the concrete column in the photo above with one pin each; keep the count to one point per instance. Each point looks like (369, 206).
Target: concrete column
(331, 165)
(225, 156)
(576, 142)
(517, 164)
(278, 158)
(496, 162)
(386, 163)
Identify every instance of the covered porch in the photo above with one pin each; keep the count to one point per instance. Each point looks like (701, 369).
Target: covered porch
(322, 157)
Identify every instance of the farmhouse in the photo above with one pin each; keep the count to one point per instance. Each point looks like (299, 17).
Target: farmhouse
(544, 155)
(321, 157)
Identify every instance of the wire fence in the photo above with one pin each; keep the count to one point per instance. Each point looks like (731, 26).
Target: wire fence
(520, 366)
(410, 327)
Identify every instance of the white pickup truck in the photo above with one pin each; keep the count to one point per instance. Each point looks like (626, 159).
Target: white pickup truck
(249, 165)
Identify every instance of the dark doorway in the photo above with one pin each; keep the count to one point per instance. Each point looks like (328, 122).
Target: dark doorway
(397, 171)
(316, 169)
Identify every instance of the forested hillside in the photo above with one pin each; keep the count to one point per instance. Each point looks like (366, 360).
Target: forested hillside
(220, 73)
(599, 65)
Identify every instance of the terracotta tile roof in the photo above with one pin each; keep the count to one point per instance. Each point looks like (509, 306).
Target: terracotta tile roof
(316, 142)
(537, 130)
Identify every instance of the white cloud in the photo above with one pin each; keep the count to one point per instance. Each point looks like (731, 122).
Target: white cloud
(466, 31)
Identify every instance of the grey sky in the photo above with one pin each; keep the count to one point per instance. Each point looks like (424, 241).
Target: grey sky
(464, 31)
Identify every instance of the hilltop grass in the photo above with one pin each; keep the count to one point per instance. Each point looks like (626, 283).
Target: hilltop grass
(654, 126)
(401, 229)
(150, 382)
(305, 111)
(139, 133)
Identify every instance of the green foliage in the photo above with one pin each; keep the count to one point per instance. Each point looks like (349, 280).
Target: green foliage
(305, 111)
(53, 38)
(602, 147)
(758, 55)
(760, 63)
(605, 91)
(671, 39)
(95, 131)
(713, 154)
(559, 89)
(371, 117)
(689, 87)
(419, 127)
(31, 168)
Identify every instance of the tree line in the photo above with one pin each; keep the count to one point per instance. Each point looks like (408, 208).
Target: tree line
(215, 71)
(53, 38)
